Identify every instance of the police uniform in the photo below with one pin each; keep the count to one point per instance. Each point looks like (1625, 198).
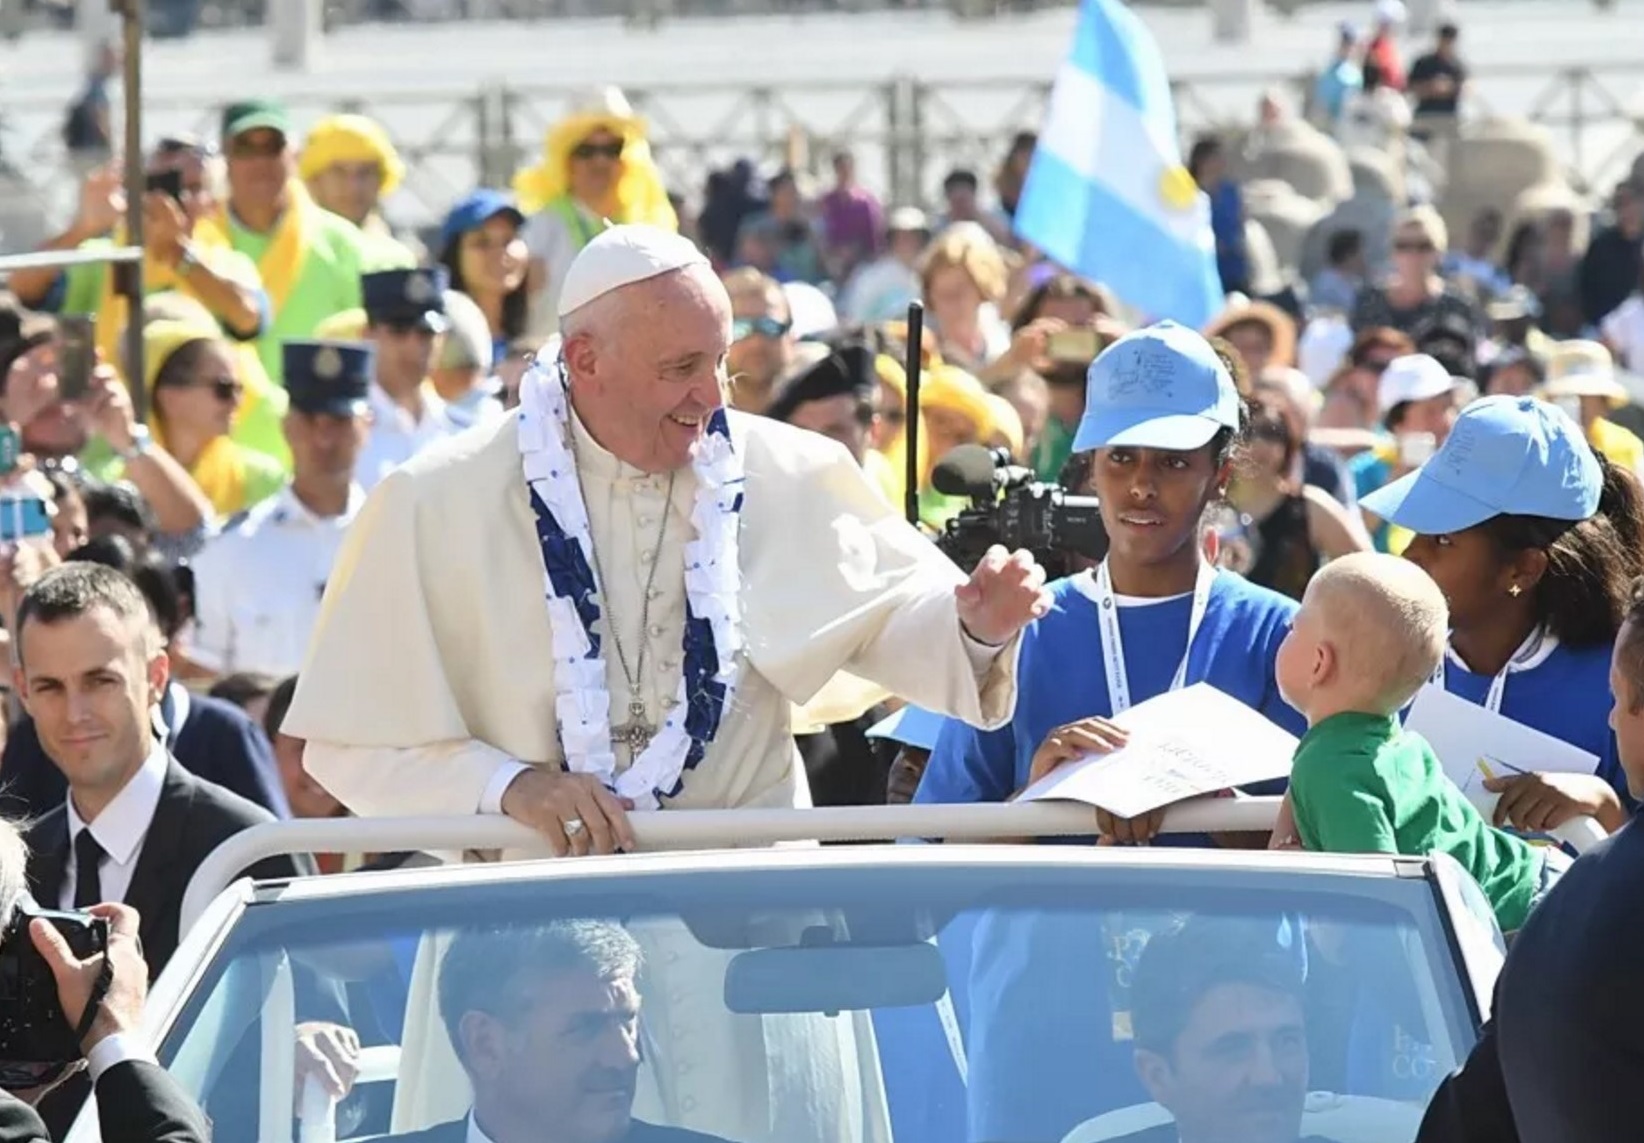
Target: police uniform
(409, 299)
(258, 584)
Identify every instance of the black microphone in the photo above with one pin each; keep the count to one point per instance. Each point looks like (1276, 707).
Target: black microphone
(967, 470)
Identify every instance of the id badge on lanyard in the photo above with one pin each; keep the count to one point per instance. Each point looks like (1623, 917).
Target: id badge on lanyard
(1113, 647)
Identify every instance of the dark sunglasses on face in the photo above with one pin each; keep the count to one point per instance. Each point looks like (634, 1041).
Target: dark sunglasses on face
(612, 151)
(222, 388)
(1413, 246)
(761, 326)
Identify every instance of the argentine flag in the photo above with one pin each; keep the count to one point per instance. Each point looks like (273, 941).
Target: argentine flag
(1107, 195)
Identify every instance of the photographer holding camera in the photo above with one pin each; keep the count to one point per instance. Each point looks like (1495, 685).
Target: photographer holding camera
(93, 963)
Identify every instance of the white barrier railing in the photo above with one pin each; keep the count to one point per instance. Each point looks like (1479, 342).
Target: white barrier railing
(715, 829)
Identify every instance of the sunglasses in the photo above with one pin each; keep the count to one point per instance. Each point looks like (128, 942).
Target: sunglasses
(761, 326)
(586, 151)
(222, 388)
(1414, 246)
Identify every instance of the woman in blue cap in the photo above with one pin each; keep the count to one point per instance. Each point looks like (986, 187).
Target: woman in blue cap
(1535, 540)
(1162, 422)
(481, 248)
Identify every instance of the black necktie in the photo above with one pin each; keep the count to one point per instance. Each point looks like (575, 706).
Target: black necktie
(88, 879)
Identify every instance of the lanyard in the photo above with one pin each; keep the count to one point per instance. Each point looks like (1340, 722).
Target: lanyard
(1113, 646)
(1520, 661)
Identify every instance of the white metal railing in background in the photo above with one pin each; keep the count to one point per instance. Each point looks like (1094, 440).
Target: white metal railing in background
(718, 829)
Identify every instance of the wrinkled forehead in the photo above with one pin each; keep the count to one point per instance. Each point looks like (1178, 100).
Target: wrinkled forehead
(687, 308)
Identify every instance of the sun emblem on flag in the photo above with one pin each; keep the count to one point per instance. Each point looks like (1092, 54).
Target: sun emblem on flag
(1177, 190)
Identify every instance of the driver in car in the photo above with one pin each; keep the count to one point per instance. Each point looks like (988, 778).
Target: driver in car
(545, 1020)
(1221, 1039)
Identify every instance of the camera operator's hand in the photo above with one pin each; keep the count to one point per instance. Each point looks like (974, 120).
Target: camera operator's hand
(1030, 345)
(76, 978)
(102, 202)
(108, 408)
(165, 228)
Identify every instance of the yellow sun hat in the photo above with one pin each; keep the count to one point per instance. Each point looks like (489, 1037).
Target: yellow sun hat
(351, 139)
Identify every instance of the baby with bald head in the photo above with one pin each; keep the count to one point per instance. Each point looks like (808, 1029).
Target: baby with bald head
(1370, 632)
(1369, 635)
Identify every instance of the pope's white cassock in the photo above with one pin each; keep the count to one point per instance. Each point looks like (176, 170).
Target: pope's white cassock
(429, 681)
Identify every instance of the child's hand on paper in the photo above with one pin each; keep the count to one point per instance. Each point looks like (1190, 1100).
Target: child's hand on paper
(1075, 740)
(1536, 803)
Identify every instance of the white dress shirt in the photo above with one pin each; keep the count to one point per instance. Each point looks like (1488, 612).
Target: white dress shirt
(119, 829)
(476, 1134)
(258, 586)
(397, 436)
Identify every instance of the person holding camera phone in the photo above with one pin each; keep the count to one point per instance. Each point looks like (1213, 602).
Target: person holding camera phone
(77, 1009)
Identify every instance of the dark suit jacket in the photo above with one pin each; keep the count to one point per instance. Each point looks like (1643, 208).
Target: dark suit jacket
(1559, 1057)
(217, 741)
(136, 1103)
(192, 818)
(638, 1132)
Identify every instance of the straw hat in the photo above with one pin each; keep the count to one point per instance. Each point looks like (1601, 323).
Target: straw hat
(1583, 369)
(1281, 330)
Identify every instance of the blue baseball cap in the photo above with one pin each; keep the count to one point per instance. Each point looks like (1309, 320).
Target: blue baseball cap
(476, 209)
(1161, 386)
(1506, 456)
(911, 726)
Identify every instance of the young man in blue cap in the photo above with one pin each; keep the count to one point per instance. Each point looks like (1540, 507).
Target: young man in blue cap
(405, 316)
(258, 585)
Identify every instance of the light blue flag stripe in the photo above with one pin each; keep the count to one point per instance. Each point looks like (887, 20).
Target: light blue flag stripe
(1106, 195)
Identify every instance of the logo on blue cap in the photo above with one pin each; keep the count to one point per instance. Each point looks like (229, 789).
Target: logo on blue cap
(1161, 387)
(1506, 456)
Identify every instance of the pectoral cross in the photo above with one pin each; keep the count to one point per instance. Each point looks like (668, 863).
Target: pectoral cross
(636, 733)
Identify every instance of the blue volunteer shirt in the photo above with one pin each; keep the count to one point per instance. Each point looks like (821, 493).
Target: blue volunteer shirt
(1021, 1087)
(1566, 695)
(1060, 677)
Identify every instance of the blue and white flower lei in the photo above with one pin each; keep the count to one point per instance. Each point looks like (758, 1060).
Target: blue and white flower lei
(713, 636)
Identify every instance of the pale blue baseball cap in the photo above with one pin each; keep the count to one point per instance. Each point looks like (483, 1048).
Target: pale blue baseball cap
(1161, 386)
(911, 726)
(1506, 456)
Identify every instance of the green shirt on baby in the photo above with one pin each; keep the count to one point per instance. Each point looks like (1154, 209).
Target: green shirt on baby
(1361, 783)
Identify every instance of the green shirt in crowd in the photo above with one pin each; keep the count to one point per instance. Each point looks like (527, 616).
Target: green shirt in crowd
(1361, 783)
(327, 283)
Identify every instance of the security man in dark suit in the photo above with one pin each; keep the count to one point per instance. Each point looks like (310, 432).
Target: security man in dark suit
(135, 825)
(1559, 1057)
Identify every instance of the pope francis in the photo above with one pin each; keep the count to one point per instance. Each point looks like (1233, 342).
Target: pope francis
(609, 600)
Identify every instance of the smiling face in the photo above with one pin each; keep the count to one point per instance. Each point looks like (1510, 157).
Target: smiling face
(89, 682)
(647, 366)
(492, 258)
(1153, 499)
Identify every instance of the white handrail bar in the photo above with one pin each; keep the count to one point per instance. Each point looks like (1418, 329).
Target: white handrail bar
(694, 829)
(62, 259)
(716, 829)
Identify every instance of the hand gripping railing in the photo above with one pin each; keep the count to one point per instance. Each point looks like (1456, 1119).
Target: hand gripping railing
(715, 829)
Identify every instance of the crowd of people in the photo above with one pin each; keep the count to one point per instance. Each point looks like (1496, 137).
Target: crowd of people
(325, 479)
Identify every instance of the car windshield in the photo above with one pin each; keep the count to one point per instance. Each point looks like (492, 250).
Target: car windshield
(851, 1002)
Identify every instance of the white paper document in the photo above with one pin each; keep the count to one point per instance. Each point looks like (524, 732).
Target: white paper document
(1475, 743)
(1183, 743)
